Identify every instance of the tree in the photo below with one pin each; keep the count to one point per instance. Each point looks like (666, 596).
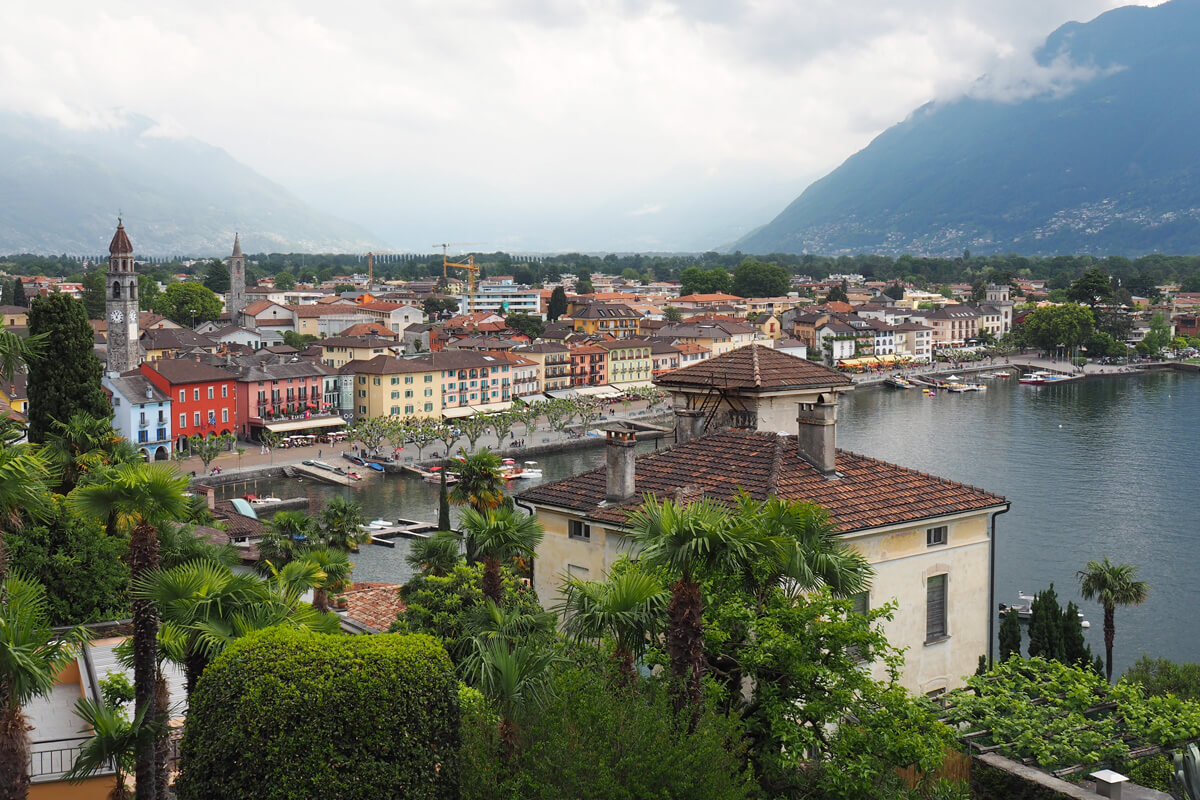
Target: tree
(474, 427)
(895, 291)
(694, 280)
(65, 378)
(435, 306)
(1067, 326)
(140, 497)
(32, 654)
(148, 292)
(1010, 635)
(1160, 677)
(1045, 627)
(516, 678)
(443, 503)
(435, 555)
(502, 423)
(300, 341)
(216, 276)
(1112, 585)
(94, 299)
(527, 324)
(753, 278)
(384, 709)
(18, 295)
(331, 573)
(84, 443)
(286, 537)
(629, 609)
(688, 541)
(1159, 335)
(284, 281)
(479, 485)
(114, 741)
(672, 314)
(557, 305)
(498, 536)
(207, 448)
(84, 574)
(189, 304)
(1093, 288)
(25, 474)
(838, 294)
(341, 525)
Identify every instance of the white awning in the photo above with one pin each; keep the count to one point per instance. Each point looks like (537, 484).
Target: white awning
(456, 412)
(562, 394)
(492, 408)
(609, 391)
(305, 424)
(592, 391)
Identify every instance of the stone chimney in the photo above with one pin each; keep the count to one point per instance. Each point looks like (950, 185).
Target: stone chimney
(688, 425)
(818, 433)
(619, 466)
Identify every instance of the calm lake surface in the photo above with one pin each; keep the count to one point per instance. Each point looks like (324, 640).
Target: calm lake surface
(1093, 468)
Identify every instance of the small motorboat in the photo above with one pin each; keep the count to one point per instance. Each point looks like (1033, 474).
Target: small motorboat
(380, 523)
(896, 382)
(354, 475)
(263, 501)
(375, 466)
(354, 460)
(531, 469)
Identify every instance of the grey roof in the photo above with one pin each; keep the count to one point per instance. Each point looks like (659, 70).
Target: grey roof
(290, 369)
(132, 386)
(174, 338)
(189, 370)
(604, 311)
(705, 330)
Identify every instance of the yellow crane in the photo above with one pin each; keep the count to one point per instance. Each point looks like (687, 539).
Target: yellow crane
(371, 264)
(468, 265)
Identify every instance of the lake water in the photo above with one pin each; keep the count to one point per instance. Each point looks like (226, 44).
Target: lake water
(1094, 468)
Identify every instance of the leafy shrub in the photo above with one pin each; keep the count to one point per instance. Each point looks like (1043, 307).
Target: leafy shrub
(594, 742)
(285, 714)
(1161, 676)
(1154, 772)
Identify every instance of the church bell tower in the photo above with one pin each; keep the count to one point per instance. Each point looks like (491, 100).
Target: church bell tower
(121, 304)
(237, 281)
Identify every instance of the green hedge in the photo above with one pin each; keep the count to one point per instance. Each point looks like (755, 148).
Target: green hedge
(288, 714)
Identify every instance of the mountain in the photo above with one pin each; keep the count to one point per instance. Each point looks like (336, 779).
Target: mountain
(61, 190)
(1095, 152)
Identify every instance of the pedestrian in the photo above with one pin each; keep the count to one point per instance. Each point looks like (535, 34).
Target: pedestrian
(318, 452)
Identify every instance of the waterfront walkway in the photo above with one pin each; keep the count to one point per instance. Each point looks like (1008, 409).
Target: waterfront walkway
(1027, 360)
(254, 458)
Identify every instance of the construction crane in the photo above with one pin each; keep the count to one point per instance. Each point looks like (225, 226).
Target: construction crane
(371, 265)
(468, 265)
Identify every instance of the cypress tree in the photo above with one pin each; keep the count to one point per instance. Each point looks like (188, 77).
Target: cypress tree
(1010, 635)
(557, 305)
(65, 378)
(1045, 626)
(443, 504)
(1075, 651)
(18, 293)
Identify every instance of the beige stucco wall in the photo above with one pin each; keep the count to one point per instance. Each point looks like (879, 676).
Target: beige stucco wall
(903, 563)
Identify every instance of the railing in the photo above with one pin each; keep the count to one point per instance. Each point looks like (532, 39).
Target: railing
(50, 759)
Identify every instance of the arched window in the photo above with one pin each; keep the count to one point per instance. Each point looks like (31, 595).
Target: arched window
(116, 290)
(133, 289)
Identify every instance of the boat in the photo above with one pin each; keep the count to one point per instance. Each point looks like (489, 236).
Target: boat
(1033, 378)
(896, 382)
(354, 459)
(434, 475)
(1024, 609)
(354, 475)
(263, 501)
(320, 465)
(378, 524)
(376, 467)
(531, 469)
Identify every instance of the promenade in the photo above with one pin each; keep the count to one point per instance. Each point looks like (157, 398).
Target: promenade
(254, 458)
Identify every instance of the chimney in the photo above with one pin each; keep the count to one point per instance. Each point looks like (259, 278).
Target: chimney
(688, 425)
(818, 433)
(619, 462)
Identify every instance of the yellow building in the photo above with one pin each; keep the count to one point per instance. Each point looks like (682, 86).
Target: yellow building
(928, 539)
(406, 387)
(15, 395)
(719, 336)
(14, 316)
(598, 319)
(629, 362)
(337, 351)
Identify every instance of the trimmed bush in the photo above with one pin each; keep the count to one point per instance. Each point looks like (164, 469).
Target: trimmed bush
(286, 714)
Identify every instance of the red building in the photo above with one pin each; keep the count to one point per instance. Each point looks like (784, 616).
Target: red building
(203, 398)
(283, 397)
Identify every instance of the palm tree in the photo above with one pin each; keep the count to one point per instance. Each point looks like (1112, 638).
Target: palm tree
(690, 541)
(436, 555)
(518, 626)
(31, 656)
(479, 485)
(142, 497)
(1113, 585)
(342, 524)
(629, 608)
(334, 566)
(16, 352)
(801, 549)
(287, 535)
(205, 606)
(514, 677)
(498, 536)
(115, 739)
(25, 472)
(85, 443)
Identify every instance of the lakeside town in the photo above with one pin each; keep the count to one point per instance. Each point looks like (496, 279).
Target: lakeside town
(438, 379)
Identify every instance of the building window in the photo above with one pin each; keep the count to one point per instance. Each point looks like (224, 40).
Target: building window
(362, 409)
(408, 409)
(429, 379)
(576, 529)
(935, 536)
(196, 394)
(576, 571)
(196, 418)
(429, 406)
(395, 380)
(862, 602)
(407, 394)
(376, 381)
(224, 390)
(224, 415)
(408, 379)
(183, 420)
(210, 393)
(935, 608)
(181, 395)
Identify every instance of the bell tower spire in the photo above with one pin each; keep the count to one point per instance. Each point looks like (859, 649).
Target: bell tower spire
(237, 281)
(121, 303)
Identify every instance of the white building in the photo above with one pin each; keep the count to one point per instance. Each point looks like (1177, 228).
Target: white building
(141, 414)
(502, 297)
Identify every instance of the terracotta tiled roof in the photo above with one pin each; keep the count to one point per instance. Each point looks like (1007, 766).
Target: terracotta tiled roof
(375, 605)
(120, 244)
(715, 297)
(369, 329)
(755, 368)
(868, 493)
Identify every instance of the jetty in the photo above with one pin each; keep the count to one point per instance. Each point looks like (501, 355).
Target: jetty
(326, 475)
(385, 535)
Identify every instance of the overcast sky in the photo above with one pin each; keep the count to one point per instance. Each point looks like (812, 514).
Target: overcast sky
(530, 124)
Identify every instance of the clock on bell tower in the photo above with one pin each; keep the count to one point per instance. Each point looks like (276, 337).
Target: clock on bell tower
(121, 303)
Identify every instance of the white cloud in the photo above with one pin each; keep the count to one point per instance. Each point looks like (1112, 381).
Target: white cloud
(422, 116)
